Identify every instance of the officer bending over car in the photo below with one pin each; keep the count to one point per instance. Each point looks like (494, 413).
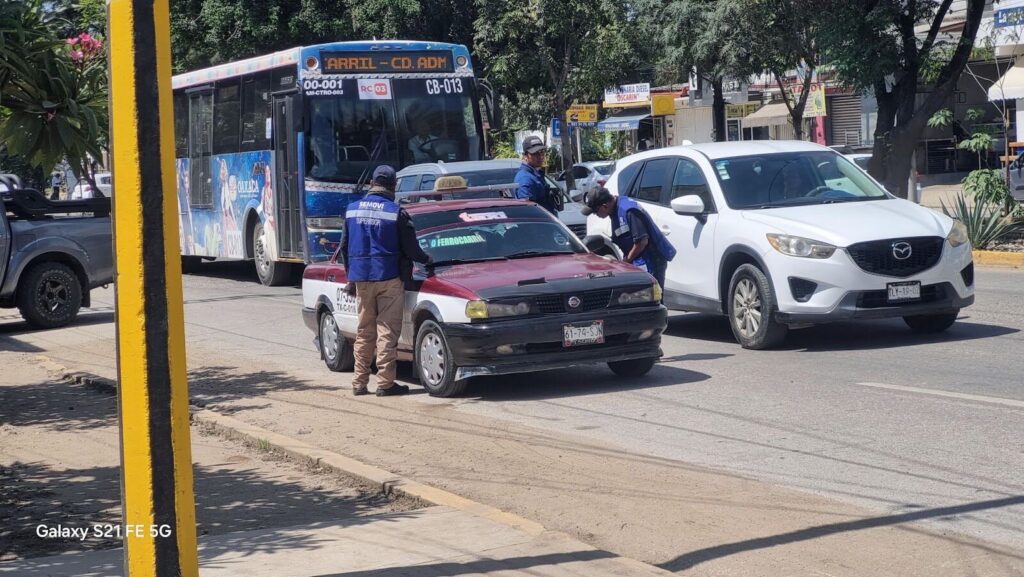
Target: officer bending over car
(633, 231)
(378, 248)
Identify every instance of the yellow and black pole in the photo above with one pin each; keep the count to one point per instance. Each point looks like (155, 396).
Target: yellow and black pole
(156, 464)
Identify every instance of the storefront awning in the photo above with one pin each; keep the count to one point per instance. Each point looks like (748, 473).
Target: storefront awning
(767, 115)
(621, 122)
(1010, 86)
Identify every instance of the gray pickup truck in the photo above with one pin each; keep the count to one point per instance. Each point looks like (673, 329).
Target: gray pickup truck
(52, 253)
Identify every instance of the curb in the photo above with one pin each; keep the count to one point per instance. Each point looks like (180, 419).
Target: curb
(386, 482)
(998, 258)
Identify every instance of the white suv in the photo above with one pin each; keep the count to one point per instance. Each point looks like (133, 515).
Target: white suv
(777, 234)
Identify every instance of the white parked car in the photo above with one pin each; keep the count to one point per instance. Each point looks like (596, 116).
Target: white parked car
(588, 175)
(421, 178)
(83, 189)
(777, 234)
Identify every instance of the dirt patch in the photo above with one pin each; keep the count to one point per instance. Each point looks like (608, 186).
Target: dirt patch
(59, 469)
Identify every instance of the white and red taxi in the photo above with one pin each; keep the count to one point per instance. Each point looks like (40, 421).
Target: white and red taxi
(511, 290)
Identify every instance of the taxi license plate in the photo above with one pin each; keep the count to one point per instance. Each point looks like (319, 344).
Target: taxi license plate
(578, 334)
(904, 291)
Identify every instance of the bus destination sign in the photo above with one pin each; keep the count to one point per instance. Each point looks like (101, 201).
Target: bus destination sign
(381, 61)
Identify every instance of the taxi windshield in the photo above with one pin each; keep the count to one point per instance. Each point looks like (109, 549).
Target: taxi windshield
(493, 233)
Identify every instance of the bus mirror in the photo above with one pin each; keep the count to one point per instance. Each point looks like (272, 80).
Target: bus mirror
(491, 103)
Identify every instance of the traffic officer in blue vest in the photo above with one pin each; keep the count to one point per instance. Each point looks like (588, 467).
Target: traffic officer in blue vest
(378, 248)
(530, 178)
(641, 241)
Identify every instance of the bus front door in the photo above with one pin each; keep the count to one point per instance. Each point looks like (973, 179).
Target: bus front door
(290, 234)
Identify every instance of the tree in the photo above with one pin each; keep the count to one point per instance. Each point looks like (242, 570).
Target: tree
(544, 54)
(874, 45)
(783, 36)
(53, 94)
(703, 35)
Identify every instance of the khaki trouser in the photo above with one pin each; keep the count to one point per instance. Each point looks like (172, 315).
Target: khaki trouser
(380, 320)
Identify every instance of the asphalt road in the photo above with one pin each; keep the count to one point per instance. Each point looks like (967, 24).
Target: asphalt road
(926, 428)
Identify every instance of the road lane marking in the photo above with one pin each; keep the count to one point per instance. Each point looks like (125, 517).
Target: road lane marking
(949, 394)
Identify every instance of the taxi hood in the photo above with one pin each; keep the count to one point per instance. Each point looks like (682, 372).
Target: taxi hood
(536, 274)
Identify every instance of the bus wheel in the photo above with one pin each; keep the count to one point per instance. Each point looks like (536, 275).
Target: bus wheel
(271, 273)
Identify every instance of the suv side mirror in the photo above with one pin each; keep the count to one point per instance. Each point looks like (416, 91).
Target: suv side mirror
(690, 205)
(559, 199)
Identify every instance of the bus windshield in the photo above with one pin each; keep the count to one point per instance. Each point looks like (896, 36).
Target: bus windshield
(407, 121)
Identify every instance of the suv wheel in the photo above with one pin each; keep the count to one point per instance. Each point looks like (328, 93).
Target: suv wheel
(50, 296)
(752, 309)
(931, 323)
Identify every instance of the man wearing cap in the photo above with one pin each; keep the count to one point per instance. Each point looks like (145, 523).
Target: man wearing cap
(641, 241)
(530, 178)
(378, 248)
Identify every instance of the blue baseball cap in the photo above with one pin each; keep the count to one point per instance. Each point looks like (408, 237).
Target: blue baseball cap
(384, 175)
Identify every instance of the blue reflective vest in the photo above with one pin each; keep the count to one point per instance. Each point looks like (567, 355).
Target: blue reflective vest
(623, 238)
(373, 246)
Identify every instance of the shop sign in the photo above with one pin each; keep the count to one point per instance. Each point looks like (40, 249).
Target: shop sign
(663, 105)
(581, 115)
(628, 95)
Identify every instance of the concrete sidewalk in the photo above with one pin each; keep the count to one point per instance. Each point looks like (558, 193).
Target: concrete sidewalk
(432, 542)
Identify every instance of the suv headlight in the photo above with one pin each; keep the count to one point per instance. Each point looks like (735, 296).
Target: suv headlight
(647, 295)
(802, 247)
(485, 310)
(958, 234)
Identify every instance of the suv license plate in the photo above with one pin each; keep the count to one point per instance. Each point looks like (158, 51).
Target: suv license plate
(583, 334)
(904, 291)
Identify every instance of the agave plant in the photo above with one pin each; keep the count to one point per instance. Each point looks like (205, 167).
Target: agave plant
(984, 221)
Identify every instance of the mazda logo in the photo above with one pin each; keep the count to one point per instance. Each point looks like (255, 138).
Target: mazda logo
(901, 250)
(574, 302)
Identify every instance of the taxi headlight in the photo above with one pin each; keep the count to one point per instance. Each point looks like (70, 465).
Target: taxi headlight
(485, 310)
(649, 294)
(958, 234)
(799, 246)
(508, 309)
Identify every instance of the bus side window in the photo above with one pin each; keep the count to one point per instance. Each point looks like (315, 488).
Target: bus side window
(200, 113)
(256, 108)
(180, 124)
(226, 117)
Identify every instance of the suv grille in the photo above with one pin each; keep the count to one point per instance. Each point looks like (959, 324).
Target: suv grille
(878, 256)
(589, 301)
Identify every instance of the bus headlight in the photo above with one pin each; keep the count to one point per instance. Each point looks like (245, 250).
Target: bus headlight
(958, 234)
(802, 247)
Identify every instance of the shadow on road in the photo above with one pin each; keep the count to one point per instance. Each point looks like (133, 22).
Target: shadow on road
(839, 336)
(690, 560)
(244, 271)
(217, 385)
(564, 383)
(15, 326)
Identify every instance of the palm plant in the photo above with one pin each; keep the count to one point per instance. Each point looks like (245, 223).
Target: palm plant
(984, 221)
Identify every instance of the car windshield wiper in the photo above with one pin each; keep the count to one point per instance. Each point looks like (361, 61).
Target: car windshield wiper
(529, 253)
(852, 199)
(453, 261)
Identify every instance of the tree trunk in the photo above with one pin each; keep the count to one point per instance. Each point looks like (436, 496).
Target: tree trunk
(718, 110)
(566, 148)
(880, 153)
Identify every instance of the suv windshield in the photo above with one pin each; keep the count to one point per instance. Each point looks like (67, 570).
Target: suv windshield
(605, 169)
(794, 178)
(420, 120)
(493, 233)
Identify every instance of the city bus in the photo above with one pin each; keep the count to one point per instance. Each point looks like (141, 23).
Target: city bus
(271, 150)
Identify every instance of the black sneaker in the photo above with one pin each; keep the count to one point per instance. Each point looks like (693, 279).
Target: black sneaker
(392, 390)
(356, 392)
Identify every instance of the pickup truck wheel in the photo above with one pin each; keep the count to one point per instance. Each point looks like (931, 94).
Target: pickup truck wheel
(633, 367)
(434, 363)
(50, 296)
(336, 349)
(271, 273)
(931, 323)
(752, 309)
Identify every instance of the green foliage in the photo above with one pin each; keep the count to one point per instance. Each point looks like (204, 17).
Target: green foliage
(974, 114)
(990, 186)
(53, 93)
(941, 119)
(505, 149)
(985, 224)
(979, 142)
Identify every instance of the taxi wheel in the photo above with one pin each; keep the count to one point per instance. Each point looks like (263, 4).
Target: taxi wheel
(632, 367)
(335, 349)
(434, 364)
